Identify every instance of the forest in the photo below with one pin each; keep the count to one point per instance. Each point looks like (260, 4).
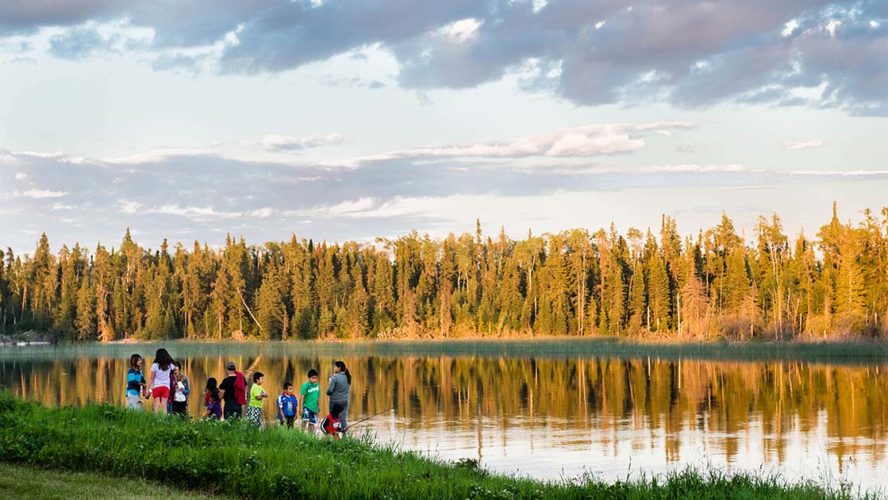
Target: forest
(716, 284)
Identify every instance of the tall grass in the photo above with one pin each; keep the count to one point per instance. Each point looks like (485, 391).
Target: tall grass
(241, 461)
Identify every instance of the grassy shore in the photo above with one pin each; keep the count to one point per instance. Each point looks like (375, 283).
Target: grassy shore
(23, 482)
(236, 460)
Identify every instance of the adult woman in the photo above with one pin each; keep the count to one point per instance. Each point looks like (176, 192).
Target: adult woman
(161, 377)
(338, 391)
(181, 387)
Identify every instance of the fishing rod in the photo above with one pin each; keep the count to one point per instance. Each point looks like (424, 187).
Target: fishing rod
(371, 416)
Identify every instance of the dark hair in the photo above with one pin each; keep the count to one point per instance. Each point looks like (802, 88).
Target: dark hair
(163, 359)
(213, 389)
(135, 358)
(343, 369)
(257, 376)
(312, 373)
(287, 385)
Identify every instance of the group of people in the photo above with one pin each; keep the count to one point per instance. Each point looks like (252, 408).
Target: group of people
(169, 387)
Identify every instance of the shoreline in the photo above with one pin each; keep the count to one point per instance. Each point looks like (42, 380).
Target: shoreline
(275, 463)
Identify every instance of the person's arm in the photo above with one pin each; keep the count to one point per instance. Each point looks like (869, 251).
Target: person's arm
(222, 391)
(331, 386)
(187, 390)
(153, 375)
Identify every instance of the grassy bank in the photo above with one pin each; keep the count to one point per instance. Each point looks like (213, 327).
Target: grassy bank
(237, 460)
(23, 482)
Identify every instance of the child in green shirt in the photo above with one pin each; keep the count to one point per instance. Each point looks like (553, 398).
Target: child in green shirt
(310, 392)
(257, 394)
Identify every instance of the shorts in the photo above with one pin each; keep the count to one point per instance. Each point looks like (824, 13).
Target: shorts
(309, 416)
(287, 420)
(133, 402)
(254, 415)
(160, 392)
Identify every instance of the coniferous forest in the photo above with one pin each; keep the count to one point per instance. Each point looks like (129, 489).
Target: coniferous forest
(717, 283)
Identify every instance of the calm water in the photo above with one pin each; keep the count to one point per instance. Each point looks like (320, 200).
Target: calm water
(544, 411)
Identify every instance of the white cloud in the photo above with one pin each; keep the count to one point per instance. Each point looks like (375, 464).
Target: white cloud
(129, 207)
(582, 141)
(461, 31)
(274, 142)
(804, 144)
(36, 194)
(831, 26)
(20, 176)
(789, 28)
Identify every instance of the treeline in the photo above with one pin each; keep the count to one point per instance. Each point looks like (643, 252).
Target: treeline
(717, 283)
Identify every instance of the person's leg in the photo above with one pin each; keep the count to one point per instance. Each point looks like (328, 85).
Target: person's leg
(343, 422)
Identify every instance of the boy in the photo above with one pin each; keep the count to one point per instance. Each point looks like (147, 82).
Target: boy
(257, 394)
(287, 405)
(310, 392)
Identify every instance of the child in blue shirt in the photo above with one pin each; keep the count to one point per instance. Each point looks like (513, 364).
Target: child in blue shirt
(135, 383)
(287, 405)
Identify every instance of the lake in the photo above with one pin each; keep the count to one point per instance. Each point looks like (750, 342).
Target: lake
(549, 409)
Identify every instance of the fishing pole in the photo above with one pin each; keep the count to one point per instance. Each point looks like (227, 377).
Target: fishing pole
(371, 416)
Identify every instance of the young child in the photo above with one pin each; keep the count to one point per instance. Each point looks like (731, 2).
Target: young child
(310, 392)
(257, 394)
(287, 405)
(212, 400)
(135, 384)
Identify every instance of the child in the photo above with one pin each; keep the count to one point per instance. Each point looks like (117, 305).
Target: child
(287, 404)
(257, 394)
(180, 389)
(212, 400)
(135, 384)
(310, 391)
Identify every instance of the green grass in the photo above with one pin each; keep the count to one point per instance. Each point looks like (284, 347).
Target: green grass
(241, 461)
(28, 482)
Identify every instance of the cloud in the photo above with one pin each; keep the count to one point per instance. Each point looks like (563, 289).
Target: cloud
(802, 144)
(35, 194)
(691, 53)
(581, 141)
(287, 143)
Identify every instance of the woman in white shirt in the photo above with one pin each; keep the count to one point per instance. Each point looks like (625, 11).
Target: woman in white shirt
(161, 377)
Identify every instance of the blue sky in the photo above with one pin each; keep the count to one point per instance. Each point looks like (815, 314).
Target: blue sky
(349, 120)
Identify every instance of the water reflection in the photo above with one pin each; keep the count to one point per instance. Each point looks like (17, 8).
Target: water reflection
(556, 418)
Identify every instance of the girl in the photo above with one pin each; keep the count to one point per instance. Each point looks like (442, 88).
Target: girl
(338, 391)
(161, 375)
(181, 388)
(212, 400)
(135, 384)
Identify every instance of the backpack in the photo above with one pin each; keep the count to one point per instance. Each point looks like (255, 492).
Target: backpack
(240, 389)
(330, 425)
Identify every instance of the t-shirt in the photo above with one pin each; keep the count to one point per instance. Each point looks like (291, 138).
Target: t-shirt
(255, 391)
(161, 377)
(227, 385)
(179, 397)
(287, 405)
(134, 382)
(310, 393)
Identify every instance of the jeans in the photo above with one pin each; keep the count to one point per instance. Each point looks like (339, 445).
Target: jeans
(343, 423)
(232, 411)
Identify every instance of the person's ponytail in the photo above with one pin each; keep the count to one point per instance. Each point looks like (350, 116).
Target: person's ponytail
(344, 369)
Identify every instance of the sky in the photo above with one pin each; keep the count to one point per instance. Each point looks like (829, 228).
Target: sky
(351, 120)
